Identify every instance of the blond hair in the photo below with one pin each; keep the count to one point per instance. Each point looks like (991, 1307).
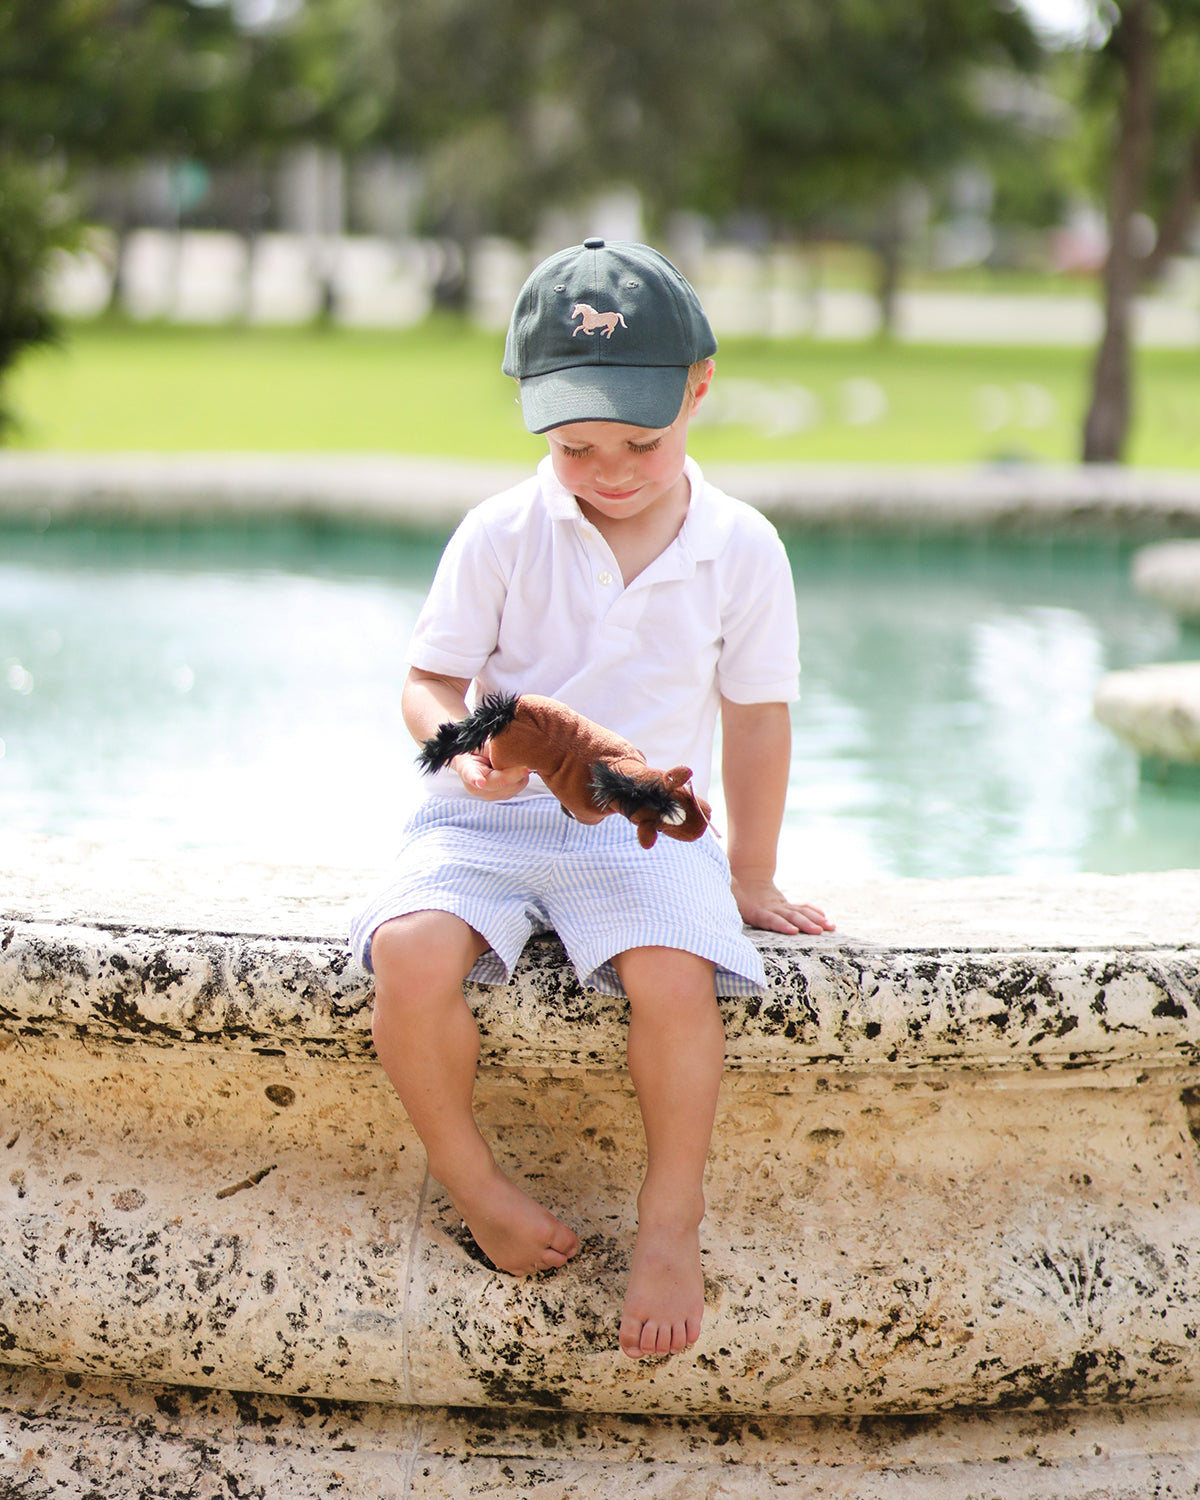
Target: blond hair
(695, 375)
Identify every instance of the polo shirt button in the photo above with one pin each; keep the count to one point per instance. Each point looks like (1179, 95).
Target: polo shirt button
(605, 578)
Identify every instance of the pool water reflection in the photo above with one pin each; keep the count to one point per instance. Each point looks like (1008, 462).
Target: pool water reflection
(946, 726)
(237, 691)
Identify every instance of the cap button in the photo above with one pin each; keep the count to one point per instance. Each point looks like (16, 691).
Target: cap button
(593, 242)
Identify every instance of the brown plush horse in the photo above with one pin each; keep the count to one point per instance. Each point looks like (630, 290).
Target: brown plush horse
(591, 771)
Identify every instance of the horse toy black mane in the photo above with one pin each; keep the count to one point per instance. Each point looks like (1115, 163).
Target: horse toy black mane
(592, 771)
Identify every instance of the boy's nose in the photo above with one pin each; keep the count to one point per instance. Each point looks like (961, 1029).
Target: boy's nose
(611, 473)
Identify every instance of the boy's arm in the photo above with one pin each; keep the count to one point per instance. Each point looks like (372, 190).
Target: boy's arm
(428, 702)
(755, 760)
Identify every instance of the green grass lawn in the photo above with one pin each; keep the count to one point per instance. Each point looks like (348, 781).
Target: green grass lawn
(437, 389)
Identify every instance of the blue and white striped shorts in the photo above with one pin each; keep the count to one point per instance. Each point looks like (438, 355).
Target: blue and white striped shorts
(512, 869)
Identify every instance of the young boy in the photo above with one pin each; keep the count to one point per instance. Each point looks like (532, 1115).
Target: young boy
(619, 582)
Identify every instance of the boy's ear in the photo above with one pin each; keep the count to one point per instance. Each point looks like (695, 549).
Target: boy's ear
(702, 385)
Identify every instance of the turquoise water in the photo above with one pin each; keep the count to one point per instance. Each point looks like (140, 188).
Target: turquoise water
(236, 691)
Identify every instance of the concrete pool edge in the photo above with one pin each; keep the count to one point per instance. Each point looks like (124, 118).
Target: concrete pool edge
(435, 492)
(993, 974)
(337, 1274)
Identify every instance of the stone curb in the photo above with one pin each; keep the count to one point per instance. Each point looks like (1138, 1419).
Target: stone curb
(830, 1004)
(1155, 709)
(404, 491)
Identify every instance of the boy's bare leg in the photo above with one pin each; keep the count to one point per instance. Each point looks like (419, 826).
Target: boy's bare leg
(428, 1043)
(676, 1057)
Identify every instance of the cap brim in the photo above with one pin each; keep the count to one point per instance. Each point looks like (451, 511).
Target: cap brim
(639, 395)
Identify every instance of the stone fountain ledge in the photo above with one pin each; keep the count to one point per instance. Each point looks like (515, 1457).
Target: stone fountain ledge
(1169, 573)
(1156, 710)
(953, 1244)
(106, 946)
(429, 492)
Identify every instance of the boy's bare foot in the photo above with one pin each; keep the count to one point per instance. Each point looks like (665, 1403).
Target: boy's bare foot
(665, 1300)
(515, 1233)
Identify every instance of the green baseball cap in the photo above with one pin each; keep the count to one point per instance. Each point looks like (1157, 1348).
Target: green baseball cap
(605, 332)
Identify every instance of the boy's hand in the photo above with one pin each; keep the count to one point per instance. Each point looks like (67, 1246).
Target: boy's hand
(763, 904)
(481, 778)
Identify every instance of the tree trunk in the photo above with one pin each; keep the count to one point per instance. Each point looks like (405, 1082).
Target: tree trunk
(889, 246)
(1177, 221)
(1108, 419)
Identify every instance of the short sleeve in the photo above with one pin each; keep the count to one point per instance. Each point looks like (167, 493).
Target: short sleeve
(459, 623)
(759, 659)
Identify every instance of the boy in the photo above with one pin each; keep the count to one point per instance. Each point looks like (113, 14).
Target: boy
(619, 582)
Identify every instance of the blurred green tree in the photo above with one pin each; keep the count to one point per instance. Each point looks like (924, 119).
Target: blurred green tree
(853, 102)
(513, 104)
(102, 81)
(798, 110)
(35, 221)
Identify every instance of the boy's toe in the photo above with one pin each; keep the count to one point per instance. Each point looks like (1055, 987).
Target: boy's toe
(564, 1243)
(680, 1338)
(630, 1337)
(561, 1246)
(656, 1338)
(643, 1340)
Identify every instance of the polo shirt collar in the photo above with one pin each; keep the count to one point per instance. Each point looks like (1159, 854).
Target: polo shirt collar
(560, 502)
(698, 534)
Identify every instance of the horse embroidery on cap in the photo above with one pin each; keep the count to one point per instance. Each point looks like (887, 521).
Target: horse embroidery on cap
(593, 320)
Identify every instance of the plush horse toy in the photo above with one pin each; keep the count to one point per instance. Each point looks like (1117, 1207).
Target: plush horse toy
(591, 771)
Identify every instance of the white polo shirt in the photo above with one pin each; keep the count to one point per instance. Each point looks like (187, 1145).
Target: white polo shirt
(528, 597)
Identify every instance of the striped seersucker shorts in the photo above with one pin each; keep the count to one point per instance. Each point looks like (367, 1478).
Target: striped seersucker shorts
(512, 869)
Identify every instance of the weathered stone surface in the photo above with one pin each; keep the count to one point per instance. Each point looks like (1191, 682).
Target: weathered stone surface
(955, 1162)
(1156, 709)
(89, 1438)
(942, 1176)
(869, 1248)
(835, 1004)
(1169, 573)
(166, 988)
